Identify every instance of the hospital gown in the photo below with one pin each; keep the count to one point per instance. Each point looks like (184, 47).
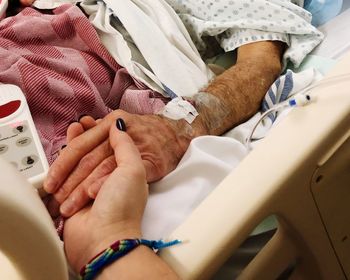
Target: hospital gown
(234, 23)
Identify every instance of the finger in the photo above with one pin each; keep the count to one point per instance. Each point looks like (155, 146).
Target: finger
(99, 175)
(83, 170)
(87, 122)
(71, 155)
(27, 3)
(72, 204)
(125, 151)
(96, 186)
(127, 184)
(98, 121)
(76, 201)
(74, 130)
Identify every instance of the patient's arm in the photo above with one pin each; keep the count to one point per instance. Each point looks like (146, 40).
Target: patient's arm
(236, 95)
(231, 98)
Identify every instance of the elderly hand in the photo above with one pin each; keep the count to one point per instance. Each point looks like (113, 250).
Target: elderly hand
(230, 99)
(118, 209)
(77, 174)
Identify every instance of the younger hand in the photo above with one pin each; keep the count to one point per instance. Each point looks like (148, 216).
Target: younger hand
(118, 209)
(78, 173)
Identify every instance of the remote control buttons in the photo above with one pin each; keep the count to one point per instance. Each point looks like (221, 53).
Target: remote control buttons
(3, 148)
(25, 141)
(20, 129)
(29, 160)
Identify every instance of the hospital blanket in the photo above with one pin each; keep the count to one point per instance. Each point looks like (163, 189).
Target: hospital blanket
(64, 71)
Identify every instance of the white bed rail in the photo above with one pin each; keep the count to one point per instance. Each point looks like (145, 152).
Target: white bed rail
(29, 245)
(282, 177)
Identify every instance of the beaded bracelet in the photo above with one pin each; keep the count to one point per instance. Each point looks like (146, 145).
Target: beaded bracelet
(117, 250)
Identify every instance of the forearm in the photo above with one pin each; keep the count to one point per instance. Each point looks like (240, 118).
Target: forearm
(140, 263)
(236, 95)
(233, 96)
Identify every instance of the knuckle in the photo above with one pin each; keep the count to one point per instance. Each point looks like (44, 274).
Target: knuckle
(138, 173)
(108, 165)
(117, 113)
(75, 146)
(62, 194)
(87, 163)
(155, 169)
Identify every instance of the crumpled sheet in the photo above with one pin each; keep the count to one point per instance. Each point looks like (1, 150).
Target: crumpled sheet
(174, 30)
(65, 71)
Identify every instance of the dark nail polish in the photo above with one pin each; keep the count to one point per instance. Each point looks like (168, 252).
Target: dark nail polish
(120, 124)
(81, 116)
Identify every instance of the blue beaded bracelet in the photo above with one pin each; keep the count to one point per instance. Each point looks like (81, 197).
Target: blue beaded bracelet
(117, 250)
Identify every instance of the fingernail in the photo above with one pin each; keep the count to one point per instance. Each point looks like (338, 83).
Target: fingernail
(50, 185)
(66, 208)
(91, 194)
(120, 124)
(81, 116)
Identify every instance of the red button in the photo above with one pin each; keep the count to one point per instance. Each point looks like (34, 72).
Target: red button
(9, 108)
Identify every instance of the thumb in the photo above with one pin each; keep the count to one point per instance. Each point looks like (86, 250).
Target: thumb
(125, 151)
(127, 183)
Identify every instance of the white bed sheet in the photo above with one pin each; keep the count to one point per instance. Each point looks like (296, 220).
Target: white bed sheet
(209, 159)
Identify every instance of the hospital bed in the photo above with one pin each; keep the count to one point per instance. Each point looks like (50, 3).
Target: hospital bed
(300, 173)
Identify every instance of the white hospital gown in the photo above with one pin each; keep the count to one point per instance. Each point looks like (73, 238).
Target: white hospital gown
(237, 22)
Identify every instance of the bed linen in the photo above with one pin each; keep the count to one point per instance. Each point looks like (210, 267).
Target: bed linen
(209, 159)
(65, 71)
(337, 34)
(181, 27)
(322, 59)
(111, 94)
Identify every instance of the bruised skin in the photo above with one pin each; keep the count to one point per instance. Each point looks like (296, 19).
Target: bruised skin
(231, 98)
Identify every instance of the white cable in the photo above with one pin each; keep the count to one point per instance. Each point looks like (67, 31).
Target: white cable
(298, 99)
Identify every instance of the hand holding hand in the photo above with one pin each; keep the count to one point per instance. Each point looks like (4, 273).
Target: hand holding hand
(117, 210)
(78, 173)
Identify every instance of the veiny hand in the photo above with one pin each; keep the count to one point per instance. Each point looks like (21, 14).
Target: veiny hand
(82, 167)
(118, 209)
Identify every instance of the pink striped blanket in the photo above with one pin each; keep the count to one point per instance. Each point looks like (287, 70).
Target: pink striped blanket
(63, 69)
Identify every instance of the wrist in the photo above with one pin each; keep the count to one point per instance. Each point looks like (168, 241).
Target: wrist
(236, 95)
(99, 240)
(184, 132)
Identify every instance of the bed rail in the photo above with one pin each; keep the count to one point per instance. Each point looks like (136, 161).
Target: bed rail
(281, 176)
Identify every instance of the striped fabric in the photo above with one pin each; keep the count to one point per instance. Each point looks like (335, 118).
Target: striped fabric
(63, 69)
(286, 86)
(280, 91)
(117, 250)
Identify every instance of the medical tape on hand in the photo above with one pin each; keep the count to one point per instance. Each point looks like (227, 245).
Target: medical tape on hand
(179, 108)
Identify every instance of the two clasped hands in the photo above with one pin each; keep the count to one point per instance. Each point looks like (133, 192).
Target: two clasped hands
(117, 209)
(99, 181)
